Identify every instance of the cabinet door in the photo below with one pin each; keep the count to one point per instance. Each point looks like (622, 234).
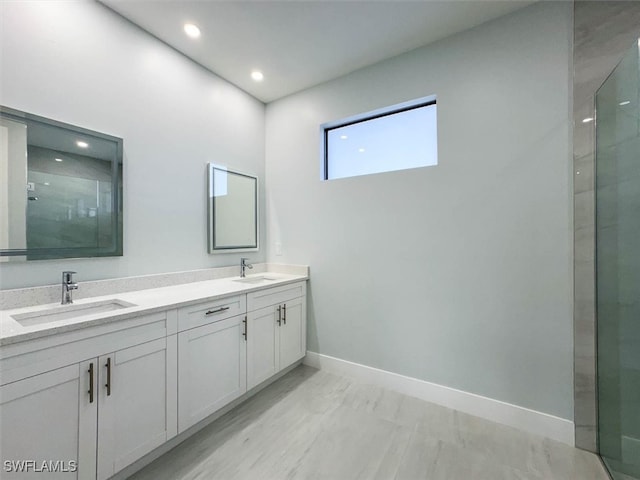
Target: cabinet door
(211, 369)
(48, 419)
(292, 332)
(262, 347)
(137, 403)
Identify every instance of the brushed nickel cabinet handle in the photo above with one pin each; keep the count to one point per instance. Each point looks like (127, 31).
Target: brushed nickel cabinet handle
(244, 334)
(279, 315)
(218, 310)
(90, 382)
(108, 384)
(284, 314)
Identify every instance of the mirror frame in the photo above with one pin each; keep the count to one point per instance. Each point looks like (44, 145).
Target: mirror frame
(117, 183)
(211, 220)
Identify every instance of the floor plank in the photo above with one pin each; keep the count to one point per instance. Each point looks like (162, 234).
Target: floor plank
(312, 424)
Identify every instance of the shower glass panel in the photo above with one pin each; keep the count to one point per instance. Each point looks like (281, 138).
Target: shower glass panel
(618, 267)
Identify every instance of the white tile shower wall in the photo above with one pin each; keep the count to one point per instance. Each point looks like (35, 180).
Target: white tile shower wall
(459, 274)
(80, 63)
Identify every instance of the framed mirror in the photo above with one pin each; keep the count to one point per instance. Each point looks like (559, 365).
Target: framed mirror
(60, 190)
(232, 210)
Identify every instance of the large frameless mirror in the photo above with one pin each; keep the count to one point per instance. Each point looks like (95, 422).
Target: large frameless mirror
(232, 211)
(60, 190)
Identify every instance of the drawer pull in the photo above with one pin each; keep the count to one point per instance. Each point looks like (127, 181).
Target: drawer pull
(217, 310)
(90, 382)
(108, 384)
(284, 314)
(279, 315)
(244, 334)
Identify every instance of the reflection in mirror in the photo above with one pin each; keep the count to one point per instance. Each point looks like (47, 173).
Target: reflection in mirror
(60, 190)
(233, 211)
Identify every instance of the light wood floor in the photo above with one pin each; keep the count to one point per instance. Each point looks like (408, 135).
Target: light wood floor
(314, 425)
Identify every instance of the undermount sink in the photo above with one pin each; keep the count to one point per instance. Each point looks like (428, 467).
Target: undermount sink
(256, 279)
(66, 312)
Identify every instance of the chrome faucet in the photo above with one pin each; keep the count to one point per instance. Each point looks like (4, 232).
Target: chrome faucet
(244, 265)
(67, 286)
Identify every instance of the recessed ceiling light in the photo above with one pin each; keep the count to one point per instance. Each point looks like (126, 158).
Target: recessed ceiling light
(626, 102)
(361, 150)
(58, 159)
(191, 30)
(46, 183)
(587, 120)
(343, 137)
(82, 144)
(257, 75)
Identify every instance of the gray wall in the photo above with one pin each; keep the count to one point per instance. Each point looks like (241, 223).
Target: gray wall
(458, 274)
(80, 63)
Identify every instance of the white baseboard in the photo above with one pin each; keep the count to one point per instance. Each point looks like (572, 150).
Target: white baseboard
(532, 421)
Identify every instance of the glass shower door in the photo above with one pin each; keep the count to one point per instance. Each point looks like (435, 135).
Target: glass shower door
(618, 267)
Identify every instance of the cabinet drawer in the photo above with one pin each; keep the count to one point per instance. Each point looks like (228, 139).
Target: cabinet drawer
(65, 349)
(275, 295)
(209, 312)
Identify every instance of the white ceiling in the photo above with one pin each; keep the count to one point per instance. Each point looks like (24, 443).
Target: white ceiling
(297, 43)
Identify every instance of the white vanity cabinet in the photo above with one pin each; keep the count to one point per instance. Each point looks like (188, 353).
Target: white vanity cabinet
(211, 368)
(88, 402)
(98, 414)
(136, 403)
(293, 336)
(262, 338)
(48, 418)
(276, 330)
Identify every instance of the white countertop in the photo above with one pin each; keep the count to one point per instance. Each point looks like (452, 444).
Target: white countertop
(145, 301)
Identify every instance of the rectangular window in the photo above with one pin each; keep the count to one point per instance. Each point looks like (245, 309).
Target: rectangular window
(395, 138)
